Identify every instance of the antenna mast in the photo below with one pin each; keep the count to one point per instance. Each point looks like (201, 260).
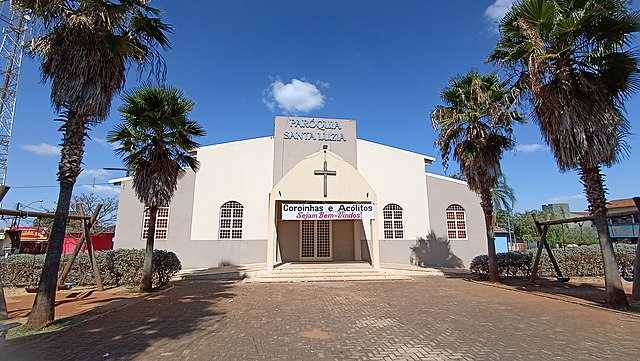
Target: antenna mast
(14, 25)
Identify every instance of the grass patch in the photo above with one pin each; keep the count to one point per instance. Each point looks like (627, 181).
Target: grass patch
(22, 331)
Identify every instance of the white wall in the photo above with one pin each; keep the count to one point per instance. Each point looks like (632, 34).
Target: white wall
(239, 171)
(397, 176)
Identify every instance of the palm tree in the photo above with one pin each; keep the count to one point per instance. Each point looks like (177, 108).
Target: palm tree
(475, 125)
(503, 196)
(85, 52)
(573, 62)
(155, 141)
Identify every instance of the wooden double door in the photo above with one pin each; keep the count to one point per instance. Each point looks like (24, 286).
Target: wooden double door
(316, 241)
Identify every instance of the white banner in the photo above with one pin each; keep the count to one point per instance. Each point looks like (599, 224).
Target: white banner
(331, 212)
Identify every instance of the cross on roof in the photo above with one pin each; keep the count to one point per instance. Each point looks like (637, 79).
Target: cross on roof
(324, 172)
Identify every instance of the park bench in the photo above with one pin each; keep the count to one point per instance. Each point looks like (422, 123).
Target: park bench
(4, 328)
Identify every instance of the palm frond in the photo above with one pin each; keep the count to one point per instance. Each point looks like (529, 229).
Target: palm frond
(155, 140)
(474, 124)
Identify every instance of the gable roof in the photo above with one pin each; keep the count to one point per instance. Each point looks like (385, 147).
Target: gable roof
(621, 203)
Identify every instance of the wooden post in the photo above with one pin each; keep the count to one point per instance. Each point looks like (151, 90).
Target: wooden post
(4, 314)
(543, 239)
(76, 250)
(553, 261)
(92, 256)
(635, 293)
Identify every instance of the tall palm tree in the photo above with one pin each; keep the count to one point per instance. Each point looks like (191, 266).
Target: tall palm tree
(155, 140)
(503, 196)
(572, 60)
(475, 125)
(85, 51)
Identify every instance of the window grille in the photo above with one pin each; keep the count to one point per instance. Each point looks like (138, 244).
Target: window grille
(231, 214)
(456, 223)
(162, 223)
(392, 221)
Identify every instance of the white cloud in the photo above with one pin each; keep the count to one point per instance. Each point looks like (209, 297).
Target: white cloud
(297, 96)
(42, 149)
(496, 11)
(530, 148)
(103, 141)
(567, 198)
(109, 190)
(95, 173)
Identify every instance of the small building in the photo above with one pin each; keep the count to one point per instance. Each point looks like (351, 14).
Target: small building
(35, 240)
(311, 192)
(626, 228)
(501, 239)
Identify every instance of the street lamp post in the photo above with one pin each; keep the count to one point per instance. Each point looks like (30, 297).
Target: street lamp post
(25, 206)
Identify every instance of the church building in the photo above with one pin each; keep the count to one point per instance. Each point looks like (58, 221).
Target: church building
(312, 192)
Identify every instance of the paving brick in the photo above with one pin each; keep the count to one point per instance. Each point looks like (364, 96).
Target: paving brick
(431, 318)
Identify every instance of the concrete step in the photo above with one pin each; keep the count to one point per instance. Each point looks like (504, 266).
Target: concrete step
(354, 266)
(326, 278)
(319, 274)
(323, 270)
(215, 276)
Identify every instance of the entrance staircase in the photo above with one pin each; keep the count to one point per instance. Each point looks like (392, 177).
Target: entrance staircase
(323, 272)
(309, 272)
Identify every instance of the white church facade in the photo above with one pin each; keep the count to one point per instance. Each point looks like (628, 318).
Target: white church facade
(312, 192)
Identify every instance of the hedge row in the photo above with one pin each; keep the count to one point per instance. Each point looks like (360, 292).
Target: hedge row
(510, 264)
(582, 261)
(121, 267)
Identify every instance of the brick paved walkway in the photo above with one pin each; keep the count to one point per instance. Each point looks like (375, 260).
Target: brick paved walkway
(433, 318)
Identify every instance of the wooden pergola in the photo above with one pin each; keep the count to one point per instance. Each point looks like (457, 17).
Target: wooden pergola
(543, 227)
(87, 222)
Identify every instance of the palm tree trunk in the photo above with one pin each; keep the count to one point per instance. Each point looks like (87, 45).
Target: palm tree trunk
(487, 209)
(42, 312)
(594, 188)
(147, 270)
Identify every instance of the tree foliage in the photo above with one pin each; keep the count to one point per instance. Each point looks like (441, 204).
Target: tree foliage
(475, 124)
(105, 222)
(573, 61)
(85, 50)
(524, 230)
(155, 141)
(503, 195)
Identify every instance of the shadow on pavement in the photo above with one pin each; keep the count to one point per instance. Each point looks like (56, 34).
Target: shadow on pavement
(129, 332)
(583, 291)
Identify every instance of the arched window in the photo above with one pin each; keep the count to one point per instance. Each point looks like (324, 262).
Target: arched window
(231, 220)
(162, 224)
(456, 222)
(392, 217)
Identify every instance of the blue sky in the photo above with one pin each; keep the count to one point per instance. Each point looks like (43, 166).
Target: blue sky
(378, 62)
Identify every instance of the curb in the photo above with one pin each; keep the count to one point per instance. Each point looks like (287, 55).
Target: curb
(50, 335)
(561, 299)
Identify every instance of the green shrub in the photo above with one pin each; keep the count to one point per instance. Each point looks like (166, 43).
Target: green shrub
(129, 264)
(165, 265)
(121, 267)
(510, 264)
(21, 269)
(582, 261)
(479, 266)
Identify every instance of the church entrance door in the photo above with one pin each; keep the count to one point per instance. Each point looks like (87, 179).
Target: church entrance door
(315, 241)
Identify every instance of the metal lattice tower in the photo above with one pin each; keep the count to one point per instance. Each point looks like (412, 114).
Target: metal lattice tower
(14, 29)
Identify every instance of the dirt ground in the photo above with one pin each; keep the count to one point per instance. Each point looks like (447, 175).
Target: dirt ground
(79, 301)
(587, 290)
